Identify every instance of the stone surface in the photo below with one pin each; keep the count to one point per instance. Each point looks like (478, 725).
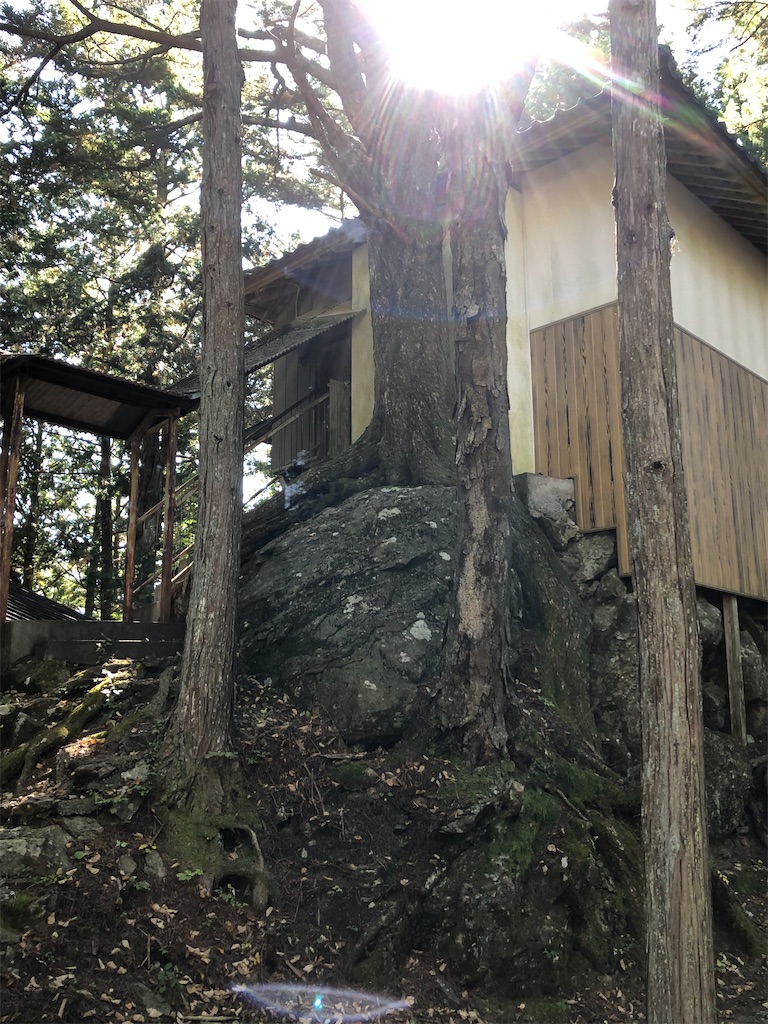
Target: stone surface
(154, 865)
(727, 778)
(33, 851)
(614, 679)
(25, 727)
(710, 623)
(715, 701)
(754, 668)
(349, 610)
(551, 502)
(590, 556)
(126, 865)
(82, 828)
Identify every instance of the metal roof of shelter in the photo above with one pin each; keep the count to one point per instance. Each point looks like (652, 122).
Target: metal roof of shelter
(24, 604)
(277, 343)
(71, 396)
(293, 335)
(701, 154)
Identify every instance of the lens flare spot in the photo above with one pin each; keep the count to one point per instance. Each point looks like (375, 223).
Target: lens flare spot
(306, 1004)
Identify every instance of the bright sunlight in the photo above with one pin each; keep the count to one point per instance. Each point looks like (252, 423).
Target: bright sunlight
(452, 46)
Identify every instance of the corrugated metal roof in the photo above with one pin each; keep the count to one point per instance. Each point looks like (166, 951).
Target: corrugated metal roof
(71, 396)
(287, 338)
(24, 604)
(276, 343)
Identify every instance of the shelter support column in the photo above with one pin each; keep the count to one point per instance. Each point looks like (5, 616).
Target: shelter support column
(735, 674)
(169, 515)
(130, 542)
(9, 475)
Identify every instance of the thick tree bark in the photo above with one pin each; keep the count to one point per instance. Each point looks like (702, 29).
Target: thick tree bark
(474, 675)
(199, 733)
(473, 684)
(414, 388)
(678, 904)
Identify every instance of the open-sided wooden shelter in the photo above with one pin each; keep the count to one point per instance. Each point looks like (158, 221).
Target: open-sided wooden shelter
(70, 396)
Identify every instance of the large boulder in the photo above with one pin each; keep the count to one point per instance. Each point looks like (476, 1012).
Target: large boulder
(727, 777)
(349, 609)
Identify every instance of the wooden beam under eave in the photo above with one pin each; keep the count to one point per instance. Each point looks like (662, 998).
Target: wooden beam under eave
(169, 515)
(130, 541)
(734, 670)
(9, 475)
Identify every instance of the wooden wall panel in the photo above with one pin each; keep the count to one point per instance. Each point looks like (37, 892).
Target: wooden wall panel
(724, 419)
(301, 374)
(577, 417)
(724, 422)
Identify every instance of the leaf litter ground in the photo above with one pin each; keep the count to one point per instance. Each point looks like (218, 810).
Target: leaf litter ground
(349, 841)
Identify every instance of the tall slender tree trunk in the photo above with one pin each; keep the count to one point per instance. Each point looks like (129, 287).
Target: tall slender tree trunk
(474, 676)
(200, 728)
(151, 473)
(677, 886)
(473, 683)
(106, 530)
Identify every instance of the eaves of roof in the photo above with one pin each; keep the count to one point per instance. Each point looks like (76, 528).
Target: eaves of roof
(701, 155)
(71, 396)
(336, 242)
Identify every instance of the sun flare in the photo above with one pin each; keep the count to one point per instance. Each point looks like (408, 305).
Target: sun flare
(451, 46)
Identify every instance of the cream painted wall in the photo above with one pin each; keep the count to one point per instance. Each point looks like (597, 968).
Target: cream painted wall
(568, 224)
(719, 282)
(362, 343)
(519, 380)
(561, 261)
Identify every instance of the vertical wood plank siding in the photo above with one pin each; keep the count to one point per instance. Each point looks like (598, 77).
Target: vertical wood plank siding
(724, 419)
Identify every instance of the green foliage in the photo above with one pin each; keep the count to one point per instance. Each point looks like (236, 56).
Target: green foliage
(188, 874)
(99, 244)
(735, 33)
(557, 86)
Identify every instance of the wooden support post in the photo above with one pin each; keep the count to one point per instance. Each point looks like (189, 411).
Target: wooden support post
(9, 464)
(169, 515)
(735, 675)
(130, 543)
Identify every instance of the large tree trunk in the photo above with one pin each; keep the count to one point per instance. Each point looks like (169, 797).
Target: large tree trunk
(473, 684)
(200, 729)
(678, 906)
(474, 674)
(414, 387)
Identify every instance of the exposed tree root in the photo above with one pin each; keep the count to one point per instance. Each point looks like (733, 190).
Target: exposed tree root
(57, 736)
